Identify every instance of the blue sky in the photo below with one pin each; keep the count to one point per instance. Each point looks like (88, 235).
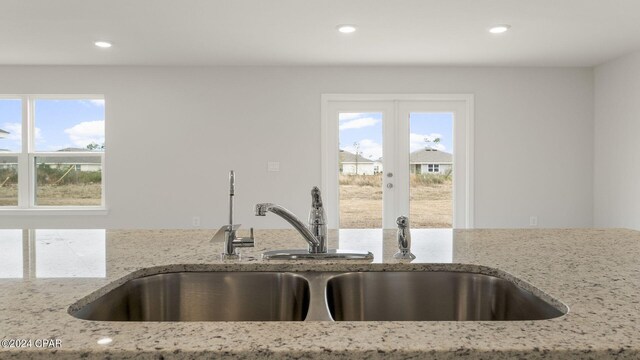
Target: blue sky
(366, 129)
(59, 124)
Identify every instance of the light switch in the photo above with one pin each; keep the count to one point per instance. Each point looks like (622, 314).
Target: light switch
(273, 166)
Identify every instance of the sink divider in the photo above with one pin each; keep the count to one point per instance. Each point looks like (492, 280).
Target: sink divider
(318, 307)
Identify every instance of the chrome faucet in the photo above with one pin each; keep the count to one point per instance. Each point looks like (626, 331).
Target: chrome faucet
(315, 233)
(318, 220)
(404, 239)
(228, 232)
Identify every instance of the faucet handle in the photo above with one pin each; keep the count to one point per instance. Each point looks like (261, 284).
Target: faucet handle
(244, 241)
(404, 239)
(316, 198)
(221, 234)
(261, 209)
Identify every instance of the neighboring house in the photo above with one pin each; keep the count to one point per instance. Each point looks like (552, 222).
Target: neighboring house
(350, 164)
(425, 161)
(421, 162)
(3, 134)
(81, 163)
(7, 162)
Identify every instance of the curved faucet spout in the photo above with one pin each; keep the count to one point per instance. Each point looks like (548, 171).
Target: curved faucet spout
(314, 243)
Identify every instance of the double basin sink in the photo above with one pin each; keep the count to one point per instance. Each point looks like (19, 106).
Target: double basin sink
(318, 296)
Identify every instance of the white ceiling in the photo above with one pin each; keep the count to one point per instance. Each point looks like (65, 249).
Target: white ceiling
(302, 32)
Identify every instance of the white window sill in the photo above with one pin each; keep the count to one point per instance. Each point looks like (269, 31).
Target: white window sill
(55, 211)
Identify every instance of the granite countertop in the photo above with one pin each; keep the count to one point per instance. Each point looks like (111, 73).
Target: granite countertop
(595, 273)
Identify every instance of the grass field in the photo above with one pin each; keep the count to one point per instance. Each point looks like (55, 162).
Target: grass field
(360, 200)
(52, 195)
(431, 203)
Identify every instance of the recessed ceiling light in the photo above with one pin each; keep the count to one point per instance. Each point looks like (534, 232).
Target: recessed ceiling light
(347, 29)
(499, 29)
(103, 44)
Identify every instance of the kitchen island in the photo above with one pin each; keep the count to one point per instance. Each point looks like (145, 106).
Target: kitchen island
(593, 273)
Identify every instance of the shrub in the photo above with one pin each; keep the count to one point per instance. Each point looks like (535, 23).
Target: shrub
(376, 180)
(430, 179)
(361, 180)
(10, 175)
(48, 175)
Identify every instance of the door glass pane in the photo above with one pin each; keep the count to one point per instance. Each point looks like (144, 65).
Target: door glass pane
(10, 125)
(8, 180)
(69, 125)
(68, 180)
(360, 170)
(431, 170)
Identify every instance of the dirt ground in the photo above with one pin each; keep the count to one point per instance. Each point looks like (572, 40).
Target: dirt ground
(360, 205)
(50, 195)
(431, 206)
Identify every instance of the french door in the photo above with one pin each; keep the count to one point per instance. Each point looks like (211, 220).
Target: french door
(384, 156)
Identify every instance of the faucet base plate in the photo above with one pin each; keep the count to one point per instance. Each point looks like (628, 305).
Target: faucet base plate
(331, 254)
(404, 255)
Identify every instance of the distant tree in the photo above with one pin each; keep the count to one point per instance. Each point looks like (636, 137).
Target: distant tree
(94, 146)
(431, 143)
(356, 145)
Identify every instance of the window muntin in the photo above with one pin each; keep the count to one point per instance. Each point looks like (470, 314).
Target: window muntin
(57, 146)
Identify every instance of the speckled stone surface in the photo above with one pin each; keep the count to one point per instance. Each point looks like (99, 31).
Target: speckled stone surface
(595, 273)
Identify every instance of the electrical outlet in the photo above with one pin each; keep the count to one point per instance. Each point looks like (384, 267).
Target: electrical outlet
(533, 221)
(195, 221)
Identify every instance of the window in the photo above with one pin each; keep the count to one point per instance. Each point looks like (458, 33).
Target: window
(433, 168)
(52, 152)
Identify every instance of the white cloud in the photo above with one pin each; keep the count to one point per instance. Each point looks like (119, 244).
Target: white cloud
(358, 123)
(418, 141)
(14, 131)
(350, 116)
(86, 132)
(368, 149)
(92, 103)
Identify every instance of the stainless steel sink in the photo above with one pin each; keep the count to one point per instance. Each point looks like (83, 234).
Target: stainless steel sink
(318, 296)
(431, 296)
(204, 296)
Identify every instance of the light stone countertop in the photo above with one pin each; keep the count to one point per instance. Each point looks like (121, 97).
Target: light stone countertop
(596, 273)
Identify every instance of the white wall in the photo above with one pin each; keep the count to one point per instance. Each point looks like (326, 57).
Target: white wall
(211, 120)
(617, 143)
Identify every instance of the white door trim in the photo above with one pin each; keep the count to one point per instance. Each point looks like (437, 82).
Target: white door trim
(329, 146)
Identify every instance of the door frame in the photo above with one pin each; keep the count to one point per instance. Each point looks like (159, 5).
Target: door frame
(329, 139)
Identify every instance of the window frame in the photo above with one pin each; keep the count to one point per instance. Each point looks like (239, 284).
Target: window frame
(433, 168)
(27, 161)
(403, 104)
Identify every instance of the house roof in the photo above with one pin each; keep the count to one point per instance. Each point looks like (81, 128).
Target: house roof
(89, 159)
(72, 160)
(72, 149)
(347, 157)
(430, 156)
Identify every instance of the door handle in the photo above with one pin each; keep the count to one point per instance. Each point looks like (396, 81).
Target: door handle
(389, 185)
